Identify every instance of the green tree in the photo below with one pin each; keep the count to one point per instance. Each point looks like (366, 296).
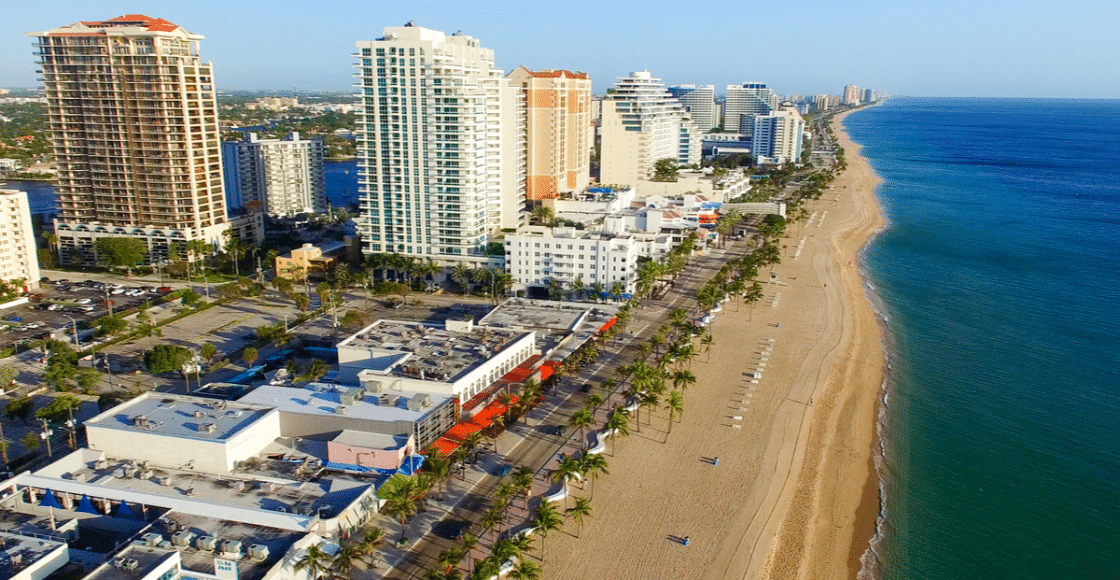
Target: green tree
(593, 467)
(249, 355)
(111, 325)
(582, 509)
(317, 369)
(59, 409)
(675, 405)
(548, 519)
(164, 358)
(207, 351)
(121, 252)
(8, 375)
(190, 297)
(315, 561)
(19, 408)
(401, 495)
(665, 170)
(581, 419)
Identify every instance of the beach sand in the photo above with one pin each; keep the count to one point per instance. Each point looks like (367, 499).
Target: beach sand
(794, 494)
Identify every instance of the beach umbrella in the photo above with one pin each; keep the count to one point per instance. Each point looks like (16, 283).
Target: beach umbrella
(86, 506)
(124, 509)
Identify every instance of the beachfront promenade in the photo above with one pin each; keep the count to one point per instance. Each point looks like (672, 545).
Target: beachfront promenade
(534, 440)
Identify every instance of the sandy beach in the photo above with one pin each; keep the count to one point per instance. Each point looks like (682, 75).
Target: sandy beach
(793, 494)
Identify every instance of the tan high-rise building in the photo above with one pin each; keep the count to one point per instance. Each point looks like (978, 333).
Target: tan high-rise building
(851, 95)
(559, 131)
(133, 118)
(19, 259)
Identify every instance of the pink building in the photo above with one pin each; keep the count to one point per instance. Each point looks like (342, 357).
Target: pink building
(370, 449)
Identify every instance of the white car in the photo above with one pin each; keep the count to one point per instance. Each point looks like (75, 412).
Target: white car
(83, 301)
(118, 291)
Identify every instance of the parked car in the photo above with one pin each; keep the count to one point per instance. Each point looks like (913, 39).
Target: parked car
(83, 301)
(164, 289)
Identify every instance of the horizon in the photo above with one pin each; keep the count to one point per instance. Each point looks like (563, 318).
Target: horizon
(916, 50)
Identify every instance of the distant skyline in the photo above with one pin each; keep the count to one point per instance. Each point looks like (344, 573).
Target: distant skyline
(950, 48)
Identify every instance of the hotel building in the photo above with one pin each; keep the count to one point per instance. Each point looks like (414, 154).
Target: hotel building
(744, 102)
(281, 177)
(700, 103)
(441, 146)
(778, 137)
(559, 130)
(133, 118)
(19, 259)
(643, 124)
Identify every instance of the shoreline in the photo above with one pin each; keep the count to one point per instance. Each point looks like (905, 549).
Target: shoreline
(790, 497)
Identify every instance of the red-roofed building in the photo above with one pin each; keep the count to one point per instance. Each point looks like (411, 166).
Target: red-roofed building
(559, 130)
(104, 109)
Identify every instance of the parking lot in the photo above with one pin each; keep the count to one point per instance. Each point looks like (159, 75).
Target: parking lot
(57, 304)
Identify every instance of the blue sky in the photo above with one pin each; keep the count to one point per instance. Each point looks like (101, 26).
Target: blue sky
(945, 48)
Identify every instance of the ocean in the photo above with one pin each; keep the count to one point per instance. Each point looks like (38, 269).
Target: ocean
(998, 279)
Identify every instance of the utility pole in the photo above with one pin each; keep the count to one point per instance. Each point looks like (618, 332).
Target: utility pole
(45, 435)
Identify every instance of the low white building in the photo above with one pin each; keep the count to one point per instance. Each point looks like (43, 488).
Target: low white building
(536, 255)
(457, 359)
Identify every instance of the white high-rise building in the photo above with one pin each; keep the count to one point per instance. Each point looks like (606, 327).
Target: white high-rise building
(441, 145)
(133, 118)
(700, 101)
(851, 95)
(19, 258)
(744, 102)
(281, 177)
(777, 137)
(643, 124)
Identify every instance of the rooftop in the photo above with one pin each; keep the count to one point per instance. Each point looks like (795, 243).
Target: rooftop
(251, 496)
(180, 416)
(18, 552)
(325, 400)
(425, 351)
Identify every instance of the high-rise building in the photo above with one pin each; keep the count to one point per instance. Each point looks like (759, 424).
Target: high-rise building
(19, 258)
(281, 177)
(777, 136)
(744, 102)
(868, 95)
(643, 124)
(559, 130)
(851, 95)
(133, 118)
(700, 102)
(826, 102)
(441, 145)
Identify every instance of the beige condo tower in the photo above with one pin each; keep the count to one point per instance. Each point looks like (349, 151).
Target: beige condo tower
(133, 118)
(559, 130)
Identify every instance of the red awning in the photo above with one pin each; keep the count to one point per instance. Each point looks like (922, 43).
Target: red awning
(481, 420)
(608, 324)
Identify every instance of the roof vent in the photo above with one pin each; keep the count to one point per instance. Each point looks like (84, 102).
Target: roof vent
(207, 428)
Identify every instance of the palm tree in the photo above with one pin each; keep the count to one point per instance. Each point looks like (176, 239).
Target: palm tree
(618, 424)
(342, 565)
(472, 441)
(523, 479)
(543, 215)
(579, 287)
(566, 470)
(708, 341)
(490, 519)
(581, 419)
(523, 543)
(593, 466)
(461, 273)
(526, 570)
(401, 495)
(683, 379)
(593, 401)
(581, 510)
(315, 561)
(548, 519)
(675, 405)
(372, 539)
(449, 559)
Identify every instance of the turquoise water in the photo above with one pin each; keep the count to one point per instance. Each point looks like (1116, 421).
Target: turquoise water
(999, 280)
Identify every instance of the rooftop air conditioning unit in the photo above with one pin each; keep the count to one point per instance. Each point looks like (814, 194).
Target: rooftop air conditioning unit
(182, 539)
(207, 428)
(131, 563)
(231, 548)
(146, 473)
(341, 409)
(165, 480)
(79, 476)
(152, 539)
(207, 543)
(101, 464)
(258, 551)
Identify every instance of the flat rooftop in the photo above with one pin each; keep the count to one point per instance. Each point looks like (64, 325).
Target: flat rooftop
(18, 552)
(325, 399)
(180, 416)
(413, 349)
(248, 496)
(548, 315)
